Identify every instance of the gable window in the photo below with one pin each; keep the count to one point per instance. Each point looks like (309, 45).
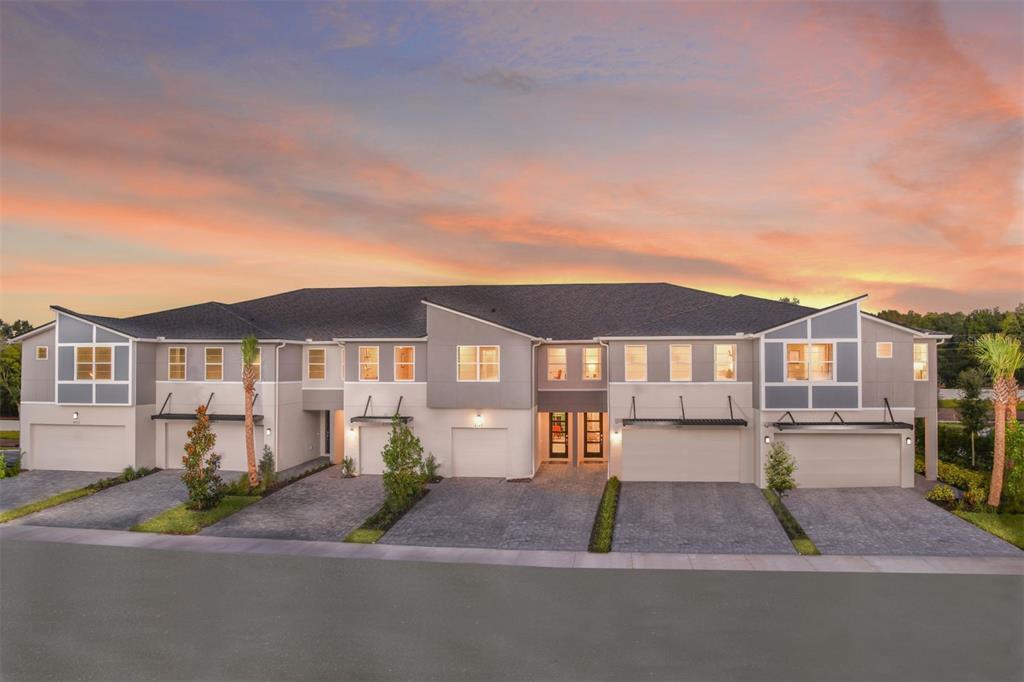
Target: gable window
(94, 363)
(920, 362)
(725, 362)
(479, 363)
(42, 352)
(214, 364)
(809, 361)
(257, 363)
(369, 363)
(591, 364)
(176, 363)
(405, 363)
(556, 364)
(316, 364)
(883, 350)
(636, 363)
(681, 362)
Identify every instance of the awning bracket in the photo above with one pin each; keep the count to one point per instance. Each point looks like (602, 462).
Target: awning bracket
(164, 406)
(682, 407)
(208, 401)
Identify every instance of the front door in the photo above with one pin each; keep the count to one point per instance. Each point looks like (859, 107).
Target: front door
(559, 446)
(593, 434)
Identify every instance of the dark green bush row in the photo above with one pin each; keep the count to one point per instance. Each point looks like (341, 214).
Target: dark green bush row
(604, 521)
(956, 475)
(955, 446)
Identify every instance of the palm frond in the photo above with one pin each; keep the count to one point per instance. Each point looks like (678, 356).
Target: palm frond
(1000, 355)
(250, 349)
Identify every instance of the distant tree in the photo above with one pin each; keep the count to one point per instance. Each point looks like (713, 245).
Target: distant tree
(8, 331)
(789, 299)
(10, 366)
(1013, 323)
(974, 412)
(200, 464)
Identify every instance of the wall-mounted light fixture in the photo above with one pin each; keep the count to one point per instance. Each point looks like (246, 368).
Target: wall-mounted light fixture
(74, 416)
(616, 436)
(268, 432)
(478, 420)
(909, 440)
(767, 440)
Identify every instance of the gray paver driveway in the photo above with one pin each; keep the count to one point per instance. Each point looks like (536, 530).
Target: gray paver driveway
(894, 521)
(697, 518)
(553, 511)
(39, 484)
(323, 506)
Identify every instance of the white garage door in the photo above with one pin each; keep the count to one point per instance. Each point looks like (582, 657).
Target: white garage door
(230, 444)
(678, 454)
(371, 444)
(79, 447)
(837, 460)
(479, 452)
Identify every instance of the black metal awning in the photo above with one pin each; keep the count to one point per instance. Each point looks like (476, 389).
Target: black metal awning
(256, 418)
(837, 423)
(684, 422)
(383, 418)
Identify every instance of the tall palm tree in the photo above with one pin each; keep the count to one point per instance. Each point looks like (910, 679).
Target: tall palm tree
(250, 351)
(1001, 356)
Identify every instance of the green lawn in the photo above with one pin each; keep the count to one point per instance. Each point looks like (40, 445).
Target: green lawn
(40, 505)
(1009, 527)
(183, 521)
(801, 543)
(366, 536)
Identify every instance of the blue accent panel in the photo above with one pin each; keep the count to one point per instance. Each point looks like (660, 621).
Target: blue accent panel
(120, 362)
(74, 393)
(847, 360)
(840, 323)
(112, 394)
(785, 397)
(65, 363)
(835, 397)
(74, 331)
(793, 331)
(774, 355)
(103, 336)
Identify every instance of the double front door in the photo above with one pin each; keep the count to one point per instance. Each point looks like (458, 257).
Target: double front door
(560, 443)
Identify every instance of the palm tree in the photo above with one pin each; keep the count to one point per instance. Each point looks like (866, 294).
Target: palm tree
(1001, 356)
(250, 351)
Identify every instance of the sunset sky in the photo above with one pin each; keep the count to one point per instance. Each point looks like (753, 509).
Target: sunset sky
(161, 154)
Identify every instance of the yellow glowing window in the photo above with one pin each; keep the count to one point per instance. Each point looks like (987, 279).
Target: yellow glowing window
(920, 362)
(405, 363)
(42, 352)
(478, 363)
(796, 362)
(214, 364)
(725, 362)
(636, 363)
(822, 362)
(681, 362)
(176, 363)
(369, 363)
(591, 364)
(556, 364)
(316, 364)
(883, 350)
(94, 363)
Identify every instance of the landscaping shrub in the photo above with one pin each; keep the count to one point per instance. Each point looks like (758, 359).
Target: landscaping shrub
(955, 446)
(268, 473)
(205, 488)
(348, 467)
(975, 498)
(240, 486)
(128, 474)
(942, 494)
(430, 468)
(779, 467)
(604, 521)
(956, 475)
(403, 464)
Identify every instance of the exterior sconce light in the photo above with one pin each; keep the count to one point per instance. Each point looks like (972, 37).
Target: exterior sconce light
(352, 430)
(767, 440)
(268, 432)
(616, 435)
(478, 420)
(909, 441)
(74, 416)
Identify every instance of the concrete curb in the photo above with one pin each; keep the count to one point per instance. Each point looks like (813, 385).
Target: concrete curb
(994, 565)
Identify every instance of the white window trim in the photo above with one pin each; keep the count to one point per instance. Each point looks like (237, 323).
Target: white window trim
(927, 361)
(809, 380)
(625, 362)
(600, 363)
(207, 363)
(397, 363)
(477, 363)
(680, 345)
(113, 364)
(184, 362)
(878, 350)
(359, 361)
(46, 352)
(565, 364)
(310, 364)
(735, 363)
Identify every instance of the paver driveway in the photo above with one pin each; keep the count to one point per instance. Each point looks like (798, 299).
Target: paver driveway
(39, 484)
(894, 521)
(553, 511)
(323, 506)
(697, 518)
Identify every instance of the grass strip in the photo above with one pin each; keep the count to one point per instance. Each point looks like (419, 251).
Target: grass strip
(604, 520)
(69, 495)
(801, 543)
(184, 521)
(1009, 527)
(374, 528)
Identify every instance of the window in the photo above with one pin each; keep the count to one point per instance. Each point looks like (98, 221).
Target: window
(822, 362)
(591, 364)
(369, 363)
(479, 363)
(681, 362)
(405, 363)
(920, 362)
(814, 361)
(796, 362)
(257, 363)
(636, 363)
(725, 362)
(42, 352)
(883, 349)
(316, 364)
(214, 364)
(556, 364)
(176, 363)
(94, 363)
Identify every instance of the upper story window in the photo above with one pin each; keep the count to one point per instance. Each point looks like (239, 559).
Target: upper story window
(214, 364)
(405, 363)
(681, 362)
(883, 350)
(809, 361)
(42, 352)
(94, 363)
(176, 363)
(479, 363)
(369, 363)
(257, 363)
(636, 363)
(316, 364)
(920, 362)
(591, 364)
(556, 364)
(725, 362)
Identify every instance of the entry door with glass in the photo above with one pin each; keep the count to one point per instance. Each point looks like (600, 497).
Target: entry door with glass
(593, 433)
(559, 447)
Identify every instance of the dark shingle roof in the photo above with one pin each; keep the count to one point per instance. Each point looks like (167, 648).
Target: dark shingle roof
(555, 311)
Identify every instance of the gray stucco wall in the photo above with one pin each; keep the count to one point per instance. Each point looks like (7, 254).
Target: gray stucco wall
(145, 373)
(74, 331)
(834, 397)
(840, 323)
(786, 397)
(447, 331)
(572, 401)
(195, 360)
(892, 378)
(71, 330)
(702, 356)
(797, 330)
(574, 368)
(74, 393)
(37, 375)
(327, 399)
(290, 357)
(386, 356)
(846, 361)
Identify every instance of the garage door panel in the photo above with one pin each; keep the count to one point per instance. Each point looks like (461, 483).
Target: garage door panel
(372, 440)
(668, 454)
(836, 460)
(479, 452)
(80, 447)
(230, 445)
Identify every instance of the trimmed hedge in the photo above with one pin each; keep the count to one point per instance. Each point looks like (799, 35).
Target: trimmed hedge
(604, 520)
(957, 476)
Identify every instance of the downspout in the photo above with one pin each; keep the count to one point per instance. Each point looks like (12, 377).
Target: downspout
(277, 401)
(533, 399)
(605, 372)
(344, 424)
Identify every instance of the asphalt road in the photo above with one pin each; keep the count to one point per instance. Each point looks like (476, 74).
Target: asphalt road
(85, 612)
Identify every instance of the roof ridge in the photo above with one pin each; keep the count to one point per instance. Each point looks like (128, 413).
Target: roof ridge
(259, 327)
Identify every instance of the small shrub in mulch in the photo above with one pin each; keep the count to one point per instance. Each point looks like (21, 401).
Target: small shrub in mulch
(604, 521)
